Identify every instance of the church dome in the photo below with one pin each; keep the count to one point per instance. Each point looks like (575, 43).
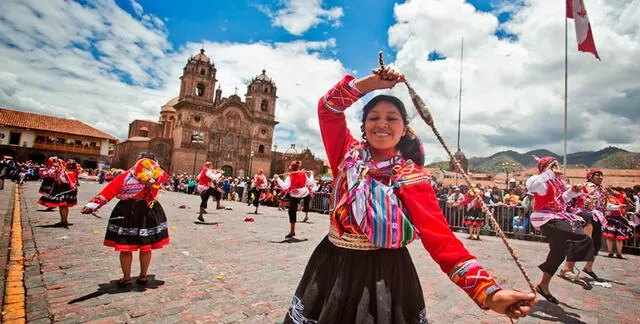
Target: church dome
(168, 107)
(291, 150)
(201, 56)
(263, 77)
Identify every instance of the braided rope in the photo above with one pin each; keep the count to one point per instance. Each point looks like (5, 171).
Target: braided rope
(423, 111)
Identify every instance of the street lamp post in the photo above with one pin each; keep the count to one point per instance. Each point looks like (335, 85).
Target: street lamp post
(197, 138)
(508, 167)
(250, 163)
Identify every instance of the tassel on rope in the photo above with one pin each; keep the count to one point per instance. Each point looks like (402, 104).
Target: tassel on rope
(423, 111)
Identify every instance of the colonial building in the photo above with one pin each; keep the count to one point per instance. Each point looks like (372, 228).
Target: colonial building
(35, 137)
(201, 125)
(281, 160)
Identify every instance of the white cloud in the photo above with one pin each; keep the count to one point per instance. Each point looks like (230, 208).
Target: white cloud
(513, 90)
(99, 64)
(298, 16)
(74, 61)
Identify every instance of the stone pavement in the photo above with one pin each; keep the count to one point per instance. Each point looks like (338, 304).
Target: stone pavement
(245, 272)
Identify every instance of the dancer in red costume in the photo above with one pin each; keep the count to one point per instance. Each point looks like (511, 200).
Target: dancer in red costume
(59, 188)
(137, 222)
(297, 186)
(362, 271)
(207, 187)
(564, 232)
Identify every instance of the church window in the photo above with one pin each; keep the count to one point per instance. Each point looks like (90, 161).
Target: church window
(229, 139)
(261, 149)
(266, 90)
(202, 72)
(200, 90)
(263, 131)
(197, 118)
(245, 141)
(264, 106)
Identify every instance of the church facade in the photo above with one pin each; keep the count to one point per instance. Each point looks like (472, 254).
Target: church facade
(200, 125)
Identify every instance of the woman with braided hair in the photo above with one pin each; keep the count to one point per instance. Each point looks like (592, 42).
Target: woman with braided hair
(362, 271)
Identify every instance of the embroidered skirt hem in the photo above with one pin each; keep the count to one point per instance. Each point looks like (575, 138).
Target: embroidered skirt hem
(343, 285)
(134, 226)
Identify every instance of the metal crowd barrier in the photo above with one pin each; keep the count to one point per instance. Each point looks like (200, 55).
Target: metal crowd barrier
(504, 215)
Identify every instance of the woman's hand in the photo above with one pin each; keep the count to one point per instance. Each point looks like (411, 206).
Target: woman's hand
(514, 304)
(385, 80)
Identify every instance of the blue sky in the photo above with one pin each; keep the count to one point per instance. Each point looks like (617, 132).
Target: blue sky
(108, 62)
(363, 26)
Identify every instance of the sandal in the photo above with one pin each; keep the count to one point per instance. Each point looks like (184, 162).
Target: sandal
(547, 296)
(142, 280)
(123, 282)
(591, 274)
(619, 256)
(290, 235)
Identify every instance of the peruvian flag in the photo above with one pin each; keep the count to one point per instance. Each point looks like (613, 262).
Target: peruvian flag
(576, 10)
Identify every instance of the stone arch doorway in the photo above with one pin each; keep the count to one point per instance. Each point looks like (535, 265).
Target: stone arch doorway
(228, 171)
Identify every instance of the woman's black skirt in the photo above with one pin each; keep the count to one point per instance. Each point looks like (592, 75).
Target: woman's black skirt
(343, 285)
(58, 195)
(474, 217)
(134, 225)
(47, 185)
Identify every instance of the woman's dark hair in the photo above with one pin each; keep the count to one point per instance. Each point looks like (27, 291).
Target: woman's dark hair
(409, 148)
(147, 155)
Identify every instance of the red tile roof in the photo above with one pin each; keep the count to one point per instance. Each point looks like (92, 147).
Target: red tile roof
(21, 119)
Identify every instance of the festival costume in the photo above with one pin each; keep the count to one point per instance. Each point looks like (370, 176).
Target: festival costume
(591, 206)
(59, 186)
(207, 186)
(258, 186)
(473, 201)
(564, 232)
(617, 226)
(137, 222)
(297, 186)
(362, 271)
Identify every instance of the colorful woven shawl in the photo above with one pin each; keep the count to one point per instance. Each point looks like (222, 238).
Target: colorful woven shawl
(366, 205)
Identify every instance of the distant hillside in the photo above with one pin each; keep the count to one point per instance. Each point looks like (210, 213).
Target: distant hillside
(609, 158)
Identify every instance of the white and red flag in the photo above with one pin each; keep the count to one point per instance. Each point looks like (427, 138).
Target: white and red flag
(577, 11)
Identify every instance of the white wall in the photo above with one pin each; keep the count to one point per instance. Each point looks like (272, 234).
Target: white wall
(26, 136)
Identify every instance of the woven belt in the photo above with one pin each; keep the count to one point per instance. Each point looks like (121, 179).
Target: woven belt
(350, 241)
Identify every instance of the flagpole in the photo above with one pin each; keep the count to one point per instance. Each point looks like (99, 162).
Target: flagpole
(566, 19)
(460, 96)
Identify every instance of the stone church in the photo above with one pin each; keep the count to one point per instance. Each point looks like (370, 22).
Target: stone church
(201, 125)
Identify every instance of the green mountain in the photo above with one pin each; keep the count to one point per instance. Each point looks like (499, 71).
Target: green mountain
(609, 158)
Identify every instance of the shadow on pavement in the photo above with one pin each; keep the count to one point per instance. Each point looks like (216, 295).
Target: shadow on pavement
(113, 288)
(547, 311)
(56, 225)
(46, 210)
(290, 240)
(206, 223)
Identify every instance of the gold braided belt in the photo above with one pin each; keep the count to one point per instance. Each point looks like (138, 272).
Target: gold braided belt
(350, 241)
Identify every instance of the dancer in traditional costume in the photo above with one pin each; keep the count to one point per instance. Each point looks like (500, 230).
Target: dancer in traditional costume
(474, 217)
(258, 186)
(591, 206)
(297, 186)
(137, 222)
(208, 186)
(564, 232)
(362, 272)
(59, 188)
(617, 227)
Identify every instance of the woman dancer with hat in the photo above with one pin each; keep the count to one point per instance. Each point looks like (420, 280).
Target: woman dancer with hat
(564, 233)
(59, 188)
(137, 222)
(383, 199)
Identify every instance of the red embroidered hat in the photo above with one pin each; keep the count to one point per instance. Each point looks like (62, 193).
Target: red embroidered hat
(591, 172)
(544, 162)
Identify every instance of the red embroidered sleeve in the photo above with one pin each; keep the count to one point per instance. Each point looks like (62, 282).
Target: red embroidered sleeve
(443, 246)
(108, 192)
(333, 125)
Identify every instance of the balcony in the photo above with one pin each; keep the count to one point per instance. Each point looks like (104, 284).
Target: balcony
(68, 148)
